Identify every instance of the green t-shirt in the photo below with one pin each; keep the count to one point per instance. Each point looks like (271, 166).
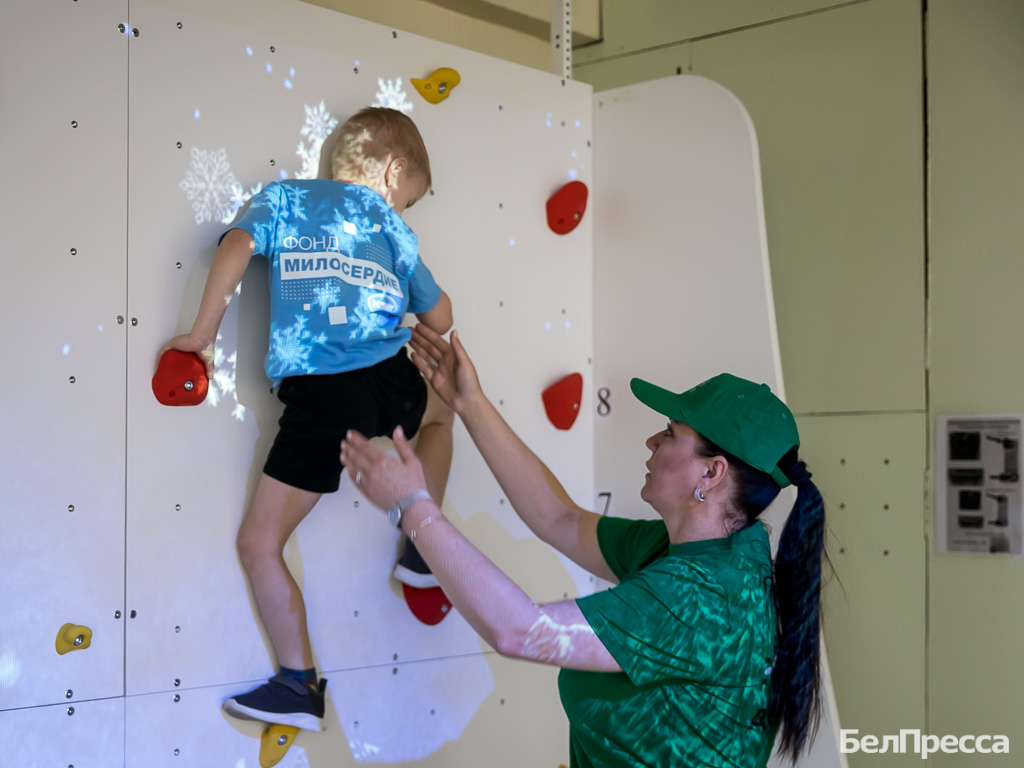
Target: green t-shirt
(693, 627)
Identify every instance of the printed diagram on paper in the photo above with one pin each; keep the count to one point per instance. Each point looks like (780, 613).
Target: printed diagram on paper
(978, 484)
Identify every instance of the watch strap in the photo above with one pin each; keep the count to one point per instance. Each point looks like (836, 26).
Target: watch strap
(405, 501)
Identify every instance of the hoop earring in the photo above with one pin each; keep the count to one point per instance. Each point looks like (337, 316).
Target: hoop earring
(699, 495)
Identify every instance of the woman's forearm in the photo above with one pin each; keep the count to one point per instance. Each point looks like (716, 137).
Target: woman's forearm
(532, 490)
(496, 607)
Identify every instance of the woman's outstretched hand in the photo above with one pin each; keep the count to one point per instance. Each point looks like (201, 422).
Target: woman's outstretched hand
(383, 479)
(445, 366)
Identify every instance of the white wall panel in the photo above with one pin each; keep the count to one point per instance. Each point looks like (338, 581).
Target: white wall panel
(63, 113)
(503, 142)
(682, 289)
(87, 734)
(441, 712)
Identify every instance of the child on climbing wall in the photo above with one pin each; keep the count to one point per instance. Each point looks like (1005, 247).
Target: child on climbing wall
(344, 270)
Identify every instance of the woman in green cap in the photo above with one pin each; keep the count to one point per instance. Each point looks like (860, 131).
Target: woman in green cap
(703, 650)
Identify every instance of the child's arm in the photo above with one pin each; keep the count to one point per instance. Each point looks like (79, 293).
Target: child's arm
(438, 319)
(229, 264)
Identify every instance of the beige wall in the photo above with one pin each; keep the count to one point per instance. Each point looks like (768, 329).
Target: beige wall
(880, 332)
(976, 282)
(897, 299)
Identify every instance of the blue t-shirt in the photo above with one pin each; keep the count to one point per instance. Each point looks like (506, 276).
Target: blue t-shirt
(344, 270)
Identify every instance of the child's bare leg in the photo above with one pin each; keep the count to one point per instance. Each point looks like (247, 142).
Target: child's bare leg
(276, 510)
(434, 445)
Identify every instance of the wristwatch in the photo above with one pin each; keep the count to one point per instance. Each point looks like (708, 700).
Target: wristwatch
(395, 510)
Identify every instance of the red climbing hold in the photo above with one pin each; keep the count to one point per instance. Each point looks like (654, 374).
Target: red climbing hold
(180, 379)
(429, 605)
(562, 400)
(566, 207)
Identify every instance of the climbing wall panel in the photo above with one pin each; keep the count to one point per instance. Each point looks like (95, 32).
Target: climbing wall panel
(63, 123)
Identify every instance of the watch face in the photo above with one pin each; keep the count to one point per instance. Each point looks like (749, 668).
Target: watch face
(395, 515)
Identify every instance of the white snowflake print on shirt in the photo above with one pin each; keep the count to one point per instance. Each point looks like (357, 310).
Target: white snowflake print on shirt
(391, 95)
(211, 186)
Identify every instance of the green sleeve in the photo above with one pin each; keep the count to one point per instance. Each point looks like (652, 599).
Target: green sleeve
(629, 545)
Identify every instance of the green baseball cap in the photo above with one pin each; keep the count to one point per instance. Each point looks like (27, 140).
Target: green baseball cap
(743, 418)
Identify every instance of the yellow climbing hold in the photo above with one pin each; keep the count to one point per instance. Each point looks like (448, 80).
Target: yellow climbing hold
(274, 743)
(72, 637)
(436, 88)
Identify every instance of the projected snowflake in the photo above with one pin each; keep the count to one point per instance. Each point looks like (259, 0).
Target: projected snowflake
(10, 669)
(319, 124)
(240, 197)
(392, 95)
(222, 384)
(210, 185)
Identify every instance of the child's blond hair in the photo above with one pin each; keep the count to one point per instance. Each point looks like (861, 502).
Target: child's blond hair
(377, 133)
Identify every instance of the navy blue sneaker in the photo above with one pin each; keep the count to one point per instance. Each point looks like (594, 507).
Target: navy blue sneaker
(282, 700)
(411, 569)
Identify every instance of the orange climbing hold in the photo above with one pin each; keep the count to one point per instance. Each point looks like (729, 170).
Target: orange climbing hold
(73, 637)
(436, 88)
(565, 207)
(180, 379)
(562, 400)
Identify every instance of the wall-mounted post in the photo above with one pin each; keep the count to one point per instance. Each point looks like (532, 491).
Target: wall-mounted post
(561, 38)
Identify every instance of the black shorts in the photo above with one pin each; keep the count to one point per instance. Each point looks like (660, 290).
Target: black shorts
(319, 410)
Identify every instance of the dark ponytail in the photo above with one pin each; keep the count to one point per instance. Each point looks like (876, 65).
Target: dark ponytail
(796, 677)
(796, 700)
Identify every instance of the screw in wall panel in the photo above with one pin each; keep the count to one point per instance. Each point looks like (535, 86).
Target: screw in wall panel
(74, 251)
(74, 123)
(121, 28)
(135, 31)
(120, 319)
(135, 321)
(71, 711)
(71, 507)
(69, 693)
(117, 614)
(177, 682)
(132, 614)
(71, 379)
(179, 25)
(177, 698)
